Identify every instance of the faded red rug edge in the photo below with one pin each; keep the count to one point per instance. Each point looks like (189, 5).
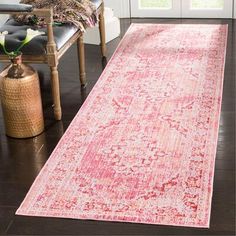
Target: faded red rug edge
(102, 218)
(217, 130)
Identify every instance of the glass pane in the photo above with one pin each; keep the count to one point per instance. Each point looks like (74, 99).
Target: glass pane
(207, 4)
(155, 4)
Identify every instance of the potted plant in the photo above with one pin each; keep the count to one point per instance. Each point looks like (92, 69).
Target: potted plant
(15, 56)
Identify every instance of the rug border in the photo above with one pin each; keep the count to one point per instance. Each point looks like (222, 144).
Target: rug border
(218, 124)
(85, 104)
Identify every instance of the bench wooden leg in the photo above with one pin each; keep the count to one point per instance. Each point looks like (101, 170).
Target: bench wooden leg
(56, 93)
(81, 54)
(102, 32)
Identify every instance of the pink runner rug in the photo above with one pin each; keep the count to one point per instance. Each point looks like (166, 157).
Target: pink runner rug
(142, 147)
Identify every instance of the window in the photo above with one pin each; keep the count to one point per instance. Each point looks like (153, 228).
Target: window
(156, 4)
(182, 8)
(209, 4)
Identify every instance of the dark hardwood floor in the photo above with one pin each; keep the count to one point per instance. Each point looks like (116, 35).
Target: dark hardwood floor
(21, 160)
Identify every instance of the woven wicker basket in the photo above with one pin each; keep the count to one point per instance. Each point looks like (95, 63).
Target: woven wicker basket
(21, 104)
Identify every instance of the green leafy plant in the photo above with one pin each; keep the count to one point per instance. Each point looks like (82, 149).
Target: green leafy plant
(29, 36)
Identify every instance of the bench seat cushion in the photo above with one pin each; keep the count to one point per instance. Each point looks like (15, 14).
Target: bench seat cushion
(17, 32)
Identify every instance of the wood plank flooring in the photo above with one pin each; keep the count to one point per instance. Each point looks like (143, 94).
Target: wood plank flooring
(21, 160)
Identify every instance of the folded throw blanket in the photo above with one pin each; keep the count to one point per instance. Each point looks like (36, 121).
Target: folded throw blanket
(81, 13)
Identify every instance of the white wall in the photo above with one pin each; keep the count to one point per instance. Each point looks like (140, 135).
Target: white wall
(3, 18)
(120, 7)
(234, 9)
